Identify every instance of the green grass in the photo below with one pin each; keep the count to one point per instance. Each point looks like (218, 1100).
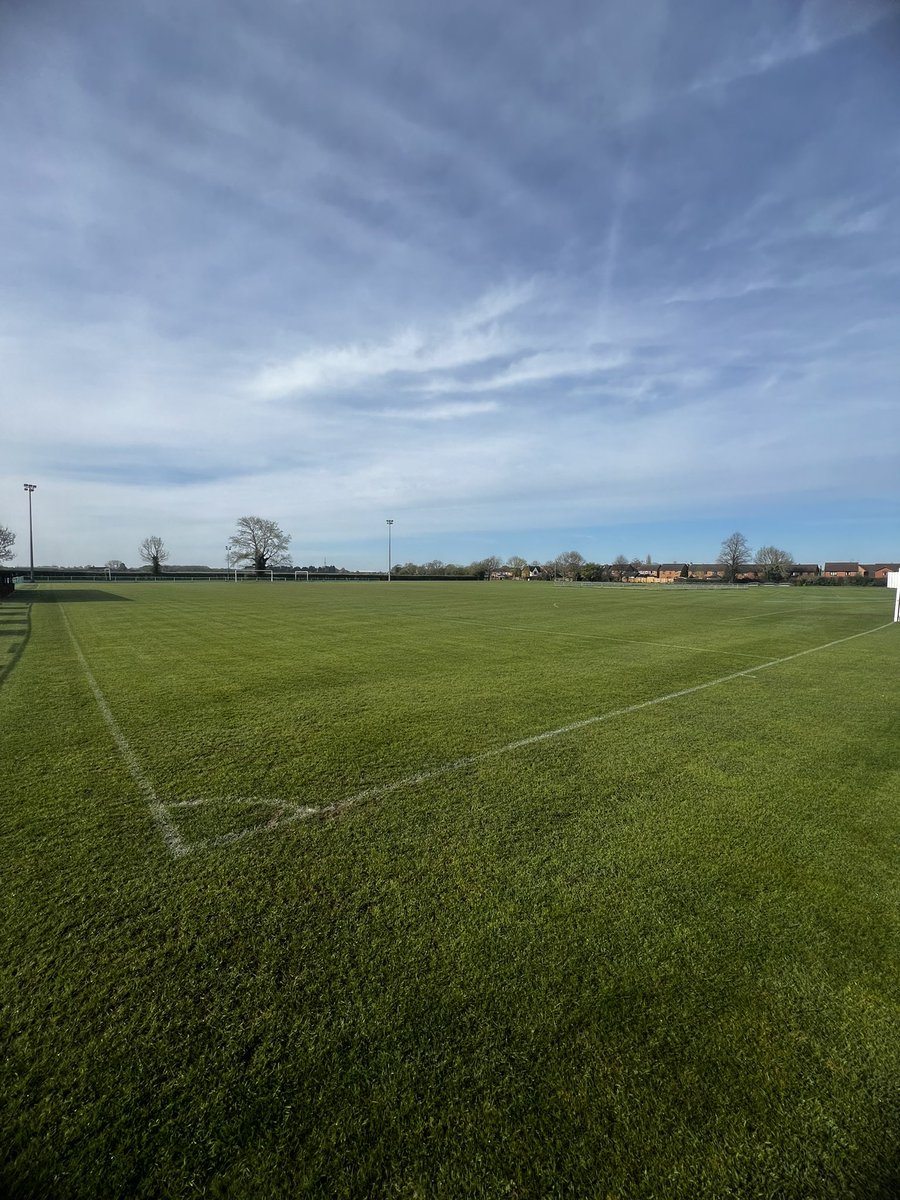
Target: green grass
(652, 957)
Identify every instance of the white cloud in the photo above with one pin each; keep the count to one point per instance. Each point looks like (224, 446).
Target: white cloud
(543, 367)
(441, 412)
(723, 288)
(819, 24)
(466, 339)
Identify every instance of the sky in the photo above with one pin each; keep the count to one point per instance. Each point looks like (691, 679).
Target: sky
(522, 277)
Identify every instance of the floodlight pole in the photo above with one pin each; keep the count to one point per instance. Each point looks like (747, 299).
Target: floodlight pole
(389, 521)
(29, 488)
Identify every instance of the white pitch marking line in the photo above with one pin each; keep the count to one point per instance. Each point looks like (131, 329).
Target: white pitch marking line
(473, 759)
(178, 848)
(298, 813)
(170, 834)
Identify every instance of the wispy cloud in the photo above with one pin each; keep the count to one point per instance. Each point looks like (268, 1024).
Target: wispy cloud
(542, 368)
(441, 412)
(411, 352)
(800, 33)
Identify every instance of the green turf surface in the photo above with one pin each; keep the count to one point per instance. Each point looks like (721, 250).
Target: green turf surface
(654, 956)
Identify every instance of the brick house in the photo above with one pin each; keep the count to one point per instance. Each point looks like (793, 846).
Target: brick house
(667, 572)
(842, 570)
(798, 569)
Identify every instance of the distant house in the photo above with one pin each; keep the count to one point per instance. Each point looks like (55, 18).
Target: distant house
(533, 572)
(879, 570)
(673, 571)
(842, 570)
(797, 569)
(667, 572)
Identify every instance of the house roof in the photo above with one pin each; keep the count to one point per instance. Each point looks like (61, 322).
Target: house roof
(841, 566)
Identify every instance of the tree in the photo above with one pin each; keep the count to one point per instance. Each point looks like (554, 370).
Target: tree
(154, 553)
(569, 564)
(484, 566)
(115, 564)
(734, 555)
(516, 563)
(260, 543)
(7, 541)
(776, 563)
(620, 566)
(684, 573)
(593, 572)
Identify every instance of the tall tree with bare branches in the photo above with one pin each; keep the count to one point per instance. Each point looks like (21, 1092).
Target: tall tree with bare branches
(154, 553)
(776, 563)
(734, 555)
(7, 541)
(260, 544)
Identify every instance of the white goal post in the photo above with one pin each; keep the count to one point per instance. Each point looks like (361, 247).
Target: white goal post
(893, 581)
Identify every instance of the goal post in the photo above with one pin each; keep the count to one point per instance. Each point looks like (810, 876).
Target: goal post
(893, 581)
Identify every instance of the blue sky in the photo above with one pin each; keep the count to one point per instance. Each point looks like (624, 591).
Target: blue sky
(524, 277)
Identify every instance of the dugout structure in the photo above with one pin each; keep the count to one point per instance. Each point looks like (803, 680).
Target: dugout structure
(893, 581)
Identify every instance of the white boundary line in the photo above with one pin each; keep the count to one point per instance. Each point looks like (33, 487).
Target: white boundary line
(170, 834)
(179, 848)
(472, 759)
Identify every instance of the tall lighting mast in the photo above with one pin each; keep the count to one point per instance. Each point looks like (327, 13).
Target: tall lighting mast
(29, 488)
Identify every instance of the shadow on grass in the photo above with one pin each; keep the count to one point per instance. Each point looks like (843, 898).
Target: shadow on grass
(12, 610)
(15, 611)
(68, 596)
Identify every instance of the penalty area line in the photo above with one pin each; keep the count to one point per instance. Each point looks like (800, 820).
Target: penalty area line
(291, 813)
(169, 833)
(472, 760)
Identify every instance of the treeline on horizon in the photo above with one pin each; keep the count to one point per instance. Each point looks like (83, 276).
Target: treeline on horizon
(616, 572)
(561, 568)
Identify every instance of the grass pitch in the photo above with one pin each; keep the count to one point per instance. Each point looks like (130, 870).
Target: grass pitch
(653, 956)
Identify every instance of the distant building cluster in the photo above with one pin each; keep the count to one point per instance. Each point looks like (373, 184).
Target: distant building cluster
(702, 572)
